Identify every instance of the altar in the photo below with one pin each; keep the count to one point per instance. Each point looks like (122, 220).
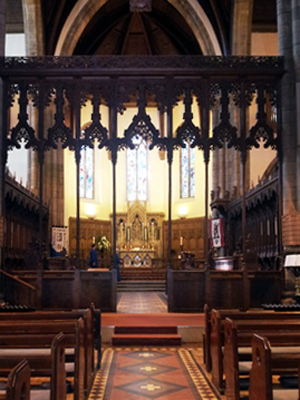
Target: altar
(139, 236)
(137, 257)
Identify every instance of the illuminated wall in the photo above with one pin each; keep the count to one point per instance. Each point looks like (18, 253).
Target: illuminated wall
(157, 174)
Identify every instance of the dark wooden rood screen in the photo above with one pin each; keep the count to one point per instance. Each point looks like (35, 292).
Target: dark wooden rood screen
(219, 84)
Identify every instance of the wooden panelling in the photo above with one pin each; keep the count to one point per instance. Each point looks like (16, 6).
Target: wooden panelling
(89, 229)
(186, 290)
(192, 232)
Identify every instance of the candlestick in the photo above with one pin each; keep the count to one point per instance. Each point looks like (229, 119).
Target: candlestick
(181, 240)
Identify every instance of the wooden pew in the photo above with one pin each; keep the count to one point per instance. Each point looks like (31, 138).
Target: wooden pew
(258, 325)
(16, 341)
(68, 326)
(51, 365)
(18, 383)
(234, 314)
(286, 342)
(66, 315)
(261, 387)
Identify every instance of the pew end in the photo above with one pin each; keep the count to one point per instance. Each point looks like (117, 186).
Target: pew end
(18, 383)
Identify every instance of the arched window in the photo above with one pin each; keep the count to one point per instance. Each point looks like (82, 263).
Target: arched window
(137, 170)
(86, 177)
(187, 171)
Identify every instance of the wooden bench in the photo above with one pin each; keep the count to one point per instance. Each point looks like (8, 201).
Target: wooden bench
(263, 361)
(18, 383)
(15, 341)
(249, 325)
(235, 314)
(51, 365)
(68, 326)
(286, 342)
(66, 315)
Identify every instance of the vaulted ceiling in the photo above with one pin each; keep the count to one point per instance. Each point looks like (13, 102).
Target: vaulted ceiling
(116, 30)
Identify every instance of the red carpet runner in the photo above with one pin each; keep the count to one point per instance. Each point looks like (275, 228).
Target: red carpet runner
(153, 373)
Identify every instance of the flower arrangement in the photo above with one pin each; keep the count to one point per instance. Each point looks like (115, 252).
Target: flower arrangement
(103, 243)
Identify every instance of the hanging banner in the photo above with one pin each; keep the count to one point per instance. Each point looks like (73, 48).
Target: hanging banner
(217, 232)
(59, 244)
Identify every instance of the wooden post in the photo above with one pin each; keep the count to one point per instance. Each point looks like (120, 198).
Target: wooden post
(279, 156)
(170, 161)
(77, 160)
(243, 151)
(41, 165)
(114, 151)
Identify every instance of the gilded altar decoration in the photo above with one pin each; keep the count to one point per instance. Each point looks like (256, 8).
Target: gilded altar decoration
(140, 237)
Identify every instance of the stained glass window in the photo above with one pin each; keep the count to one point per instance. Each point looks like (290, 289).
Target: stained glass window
(137, 170)
(86, 175)
(187, 171)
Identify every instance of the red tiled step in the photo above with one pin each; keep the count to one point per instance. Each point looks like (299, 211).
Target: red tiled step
(146, 329)
(135, 339)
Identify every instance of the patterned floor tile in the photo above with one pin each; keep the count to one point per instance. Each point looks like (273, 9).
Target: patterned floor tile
(141, 302)
(150, 373)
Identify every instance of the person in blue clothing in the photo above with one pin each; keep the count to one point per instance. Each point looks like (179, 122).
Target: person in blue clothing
(93, 257)
(117, 264)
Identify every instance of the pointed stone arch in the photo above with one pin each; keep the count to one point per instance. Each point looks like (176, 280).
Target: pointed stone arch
(84, 10)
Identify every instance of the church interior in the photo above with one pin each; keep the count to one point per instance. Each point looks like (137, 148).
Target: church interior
(149, 208)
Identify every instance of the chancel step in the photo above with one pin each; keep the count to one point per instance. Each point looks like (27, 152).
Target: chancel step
(143, 274)
(146, 335)
(136, 339)
(141, 286)
(146, 329)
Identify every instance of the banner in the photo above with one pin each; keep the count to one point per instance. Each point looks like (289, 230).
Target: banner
(59, 240)
(217, 232)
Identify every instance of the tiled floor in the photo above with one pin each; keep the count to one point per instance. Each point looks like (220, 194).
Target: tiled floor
(150, 373)
(142, 302)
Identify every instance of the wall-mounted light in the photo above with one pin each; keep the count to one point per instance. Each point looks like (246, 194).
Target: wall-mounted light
(90, 210)
(182, 211)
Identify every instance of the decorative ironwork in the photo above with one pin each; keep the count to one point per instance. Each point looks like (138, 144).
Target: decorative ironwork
(141, 124)
(96, 131)
(261, 130)
(187, 132)
(22, 131)
(100, 65)
(59, 131)
(225, 132)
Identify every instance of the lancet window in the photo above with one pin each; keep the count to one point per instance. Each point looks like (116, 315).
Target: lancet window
(187, 171)
(137, 163)
(86, 178)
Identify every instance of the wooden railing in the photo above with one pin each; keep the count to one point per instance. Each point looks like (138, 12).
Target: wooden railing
(17, 291)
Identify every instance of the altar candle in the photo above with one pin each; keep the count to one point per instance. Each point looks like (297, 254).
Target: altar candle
(181, 240)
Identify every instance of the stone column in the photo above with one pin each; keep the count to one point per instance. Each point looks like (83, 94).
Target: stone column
(33, 27)
(296, 58)
(289, 142)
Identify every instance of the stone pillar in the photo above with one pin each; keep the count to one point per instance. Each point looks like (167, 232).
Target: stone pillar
(296, 58)
(242, 27)
(289, 141)
(33, 27)
(241, 46)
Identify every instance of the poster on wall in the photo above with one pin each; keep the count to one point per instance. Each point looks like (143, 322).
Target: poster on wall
(59, 243)
(217, 232)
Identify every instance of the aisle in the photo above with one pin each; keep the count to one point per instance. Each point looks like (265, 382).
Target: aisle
(142, 302)
(150, 373)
